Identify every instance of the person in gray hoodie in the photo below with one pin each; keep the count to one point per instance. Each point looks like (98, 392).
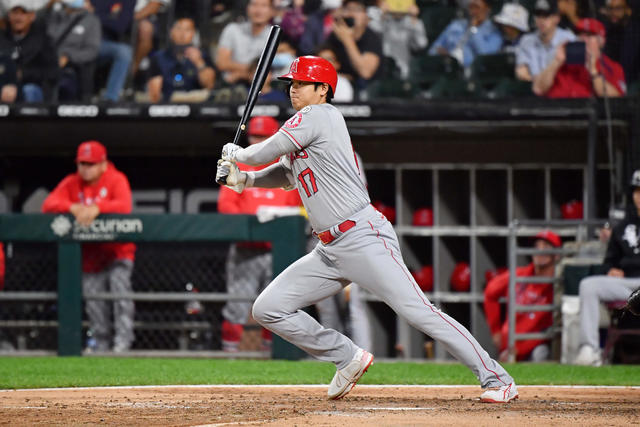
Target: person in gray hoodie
(76, 33)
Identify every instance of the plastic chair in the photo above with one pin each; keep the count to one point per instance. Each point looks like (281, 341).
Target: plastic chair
(426, 70)
(488, 70)
(436, 18)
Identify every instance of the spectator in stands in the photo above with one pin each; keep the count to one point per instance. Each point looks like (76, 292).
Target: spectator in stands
(622, 263)
(249, 263)
(146, 16)
(358, 48)
(513, 20)
(285, 54)
(344, 89)
(116, 17)
(98, 187)
(26, 42)
(294, 18)
(318, 27)
(536, 50)
(8, 79)
(181, 66)
(76, 33)
(464, 39)
(572, 11)
(598, 75)
(241, 43)
(623, 38)
(268, 93)
(402, 33)
(526, 294)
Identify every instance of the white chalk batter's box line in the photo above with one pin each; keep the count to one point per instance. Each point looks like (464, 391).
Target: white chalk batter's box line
(311, 386)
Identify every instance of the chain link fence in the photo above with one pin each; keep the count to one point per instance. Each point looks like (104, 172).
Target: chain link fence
(161, 325)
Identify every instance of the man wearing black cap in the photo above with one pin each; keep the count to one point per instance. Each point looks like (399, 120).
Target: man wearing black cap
(622, 262)
(536, 50)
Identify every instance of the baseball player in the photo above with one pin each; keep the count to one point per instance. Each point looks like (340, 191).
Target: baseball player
(622, 262)
(356, 242)
(249, 264)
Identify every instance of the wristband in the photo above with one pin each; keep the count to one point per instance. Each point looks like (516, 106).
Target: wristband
(251, 177)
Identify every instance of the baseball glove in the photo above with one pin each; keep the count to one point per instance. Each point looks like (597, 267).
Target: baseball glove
(633, 303)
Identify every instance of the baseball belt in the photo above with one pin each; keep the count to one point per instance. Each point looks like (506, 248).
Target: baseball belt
(334, 232)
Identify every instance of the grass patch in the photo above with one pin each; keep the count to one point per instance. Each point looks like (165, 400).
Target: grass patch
(39, 372)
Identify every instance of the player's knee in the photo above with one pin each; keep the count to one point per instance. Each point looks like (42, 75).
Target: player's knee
(588, 285)
(263, 312)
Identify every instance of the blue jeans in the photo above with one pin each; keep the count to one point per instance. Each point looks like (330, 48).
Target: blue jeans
(31, 92)
(120, 56)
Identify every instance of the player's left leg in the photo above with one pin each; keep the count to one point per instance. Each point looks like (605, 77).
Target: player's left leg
(124, 310)
(279, 309)
(370, 256)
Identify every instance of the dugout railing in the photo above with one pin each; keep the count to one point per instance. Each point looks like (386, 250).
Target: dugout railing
(579, 231)
(286, 234)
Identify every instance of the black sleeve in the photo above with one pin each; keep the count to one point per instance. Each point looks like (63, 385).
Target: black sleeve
(614, 251)
(154, 66)
(7, 71)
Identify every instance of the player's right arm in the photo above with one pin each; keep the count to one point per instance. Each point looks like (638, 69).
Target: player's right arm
(59, 200)
(259, 154)
(274, 176)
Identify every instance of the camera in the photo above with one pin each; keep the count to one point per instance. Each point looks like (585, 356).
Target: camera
(575, 53)
(349, 21)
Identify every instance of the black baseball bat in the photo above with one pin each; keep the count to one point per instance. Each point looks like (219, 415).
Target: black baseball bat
(264, 64)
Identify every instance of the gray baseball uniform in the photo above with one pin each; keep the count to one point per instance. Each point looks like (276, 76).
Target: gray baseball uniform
(364, 249)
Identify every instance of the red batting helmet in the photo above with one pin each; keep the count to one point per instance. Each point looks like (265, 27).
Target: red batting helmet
(312, 69)
(263, 126)
(386, 210)
(423, 217)
(572, 210)
(461, 277)
(424, 278)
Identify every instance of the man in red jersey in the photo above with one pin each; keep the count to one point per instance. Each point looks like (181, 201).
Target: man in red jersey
(98, 187)
(249, 267)
(598, 75)
(526, 294)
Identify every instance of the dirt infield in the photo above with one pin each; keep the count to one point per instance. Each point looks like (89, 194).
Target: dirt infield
(288, 406)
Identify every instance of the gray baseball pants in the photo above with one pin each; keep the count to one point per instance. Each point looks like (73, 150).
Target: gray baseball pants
(593, 290)
(116, 278)
(367, 254)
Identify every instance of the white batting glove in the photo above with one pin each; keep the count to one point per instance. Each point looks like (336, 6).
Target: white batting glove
(229, 175)
(229, 152)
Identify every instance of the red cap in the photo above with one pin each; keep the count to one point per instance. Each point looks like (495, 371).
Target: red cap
(263, 126)
(591, 26)
(423, 217)
(91, 152)
(549, 236)
(461, 277)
